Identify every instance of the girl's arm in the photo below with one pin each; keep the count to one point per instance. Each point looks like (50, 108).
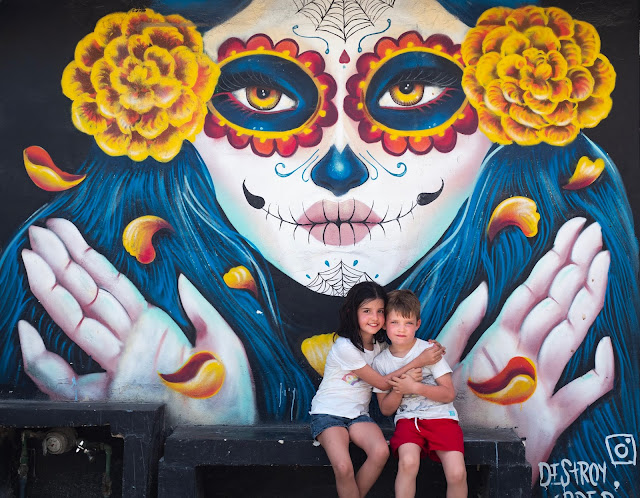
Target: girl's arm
(389, 402)
(444, 392)
(382, 382)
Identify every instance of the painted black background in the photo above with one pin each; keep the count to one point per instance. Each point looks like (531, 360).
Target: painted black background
(38, 38)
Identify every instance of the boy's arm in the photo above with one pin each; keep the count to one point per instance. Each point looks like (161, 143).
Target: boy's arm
(444, 392)
(389, 402)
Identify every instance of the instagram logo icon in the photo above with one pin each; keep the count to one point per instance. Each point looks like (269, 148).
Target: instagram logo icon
(622, 449)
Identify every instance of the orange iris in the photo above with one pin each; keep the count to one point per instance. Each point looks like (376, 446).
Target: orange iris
(406, 94)
(263, 98)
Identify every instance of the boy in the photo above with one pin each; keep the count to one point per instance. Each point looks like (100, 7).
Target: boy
(426, 421)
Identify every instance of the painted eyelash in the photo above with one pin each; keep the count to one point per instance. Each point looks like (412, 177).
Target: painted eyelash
(232, 82)
(428, 76)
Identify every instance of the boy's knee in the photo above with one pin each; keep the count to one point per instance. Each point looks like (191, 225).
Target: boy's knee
(457, 474)
(409, 464)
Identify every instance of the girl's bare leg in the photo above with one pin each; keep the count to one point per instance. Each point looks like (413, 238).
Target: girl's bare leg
(368, 436)
(335, 441)
(408, 467)
(455, 472)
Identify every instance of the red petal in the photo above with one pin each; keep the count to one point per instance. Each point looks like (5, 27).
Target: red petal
(467, 122)
(212, 128)
(286, 147)
(420, 145)
(368, 133)
(443, 40)
(447, 141)
(313, 61)
(237, 141)
(353, 84)
(287, 45)
(229, 46)
(364, 63)
(412, 37)
(330, 115)
(259, 41)
(264, 149)
(327, 80)
(395, 147)
(310, 139)
(351, 108)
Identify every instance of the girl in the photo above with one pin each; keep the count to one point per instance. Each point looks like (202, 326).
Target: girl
(340, 408)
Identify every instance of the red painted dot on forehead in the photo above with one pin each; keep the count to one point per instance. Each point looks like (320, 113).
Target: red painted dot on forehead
(344, 58)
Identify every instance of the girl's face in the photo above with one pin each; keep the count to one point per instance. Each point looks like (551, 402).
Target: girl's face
(350, 163)
(370, 317)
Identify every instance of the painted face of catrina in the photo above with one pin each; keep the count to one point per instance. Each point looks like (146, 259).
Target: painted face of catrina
(341, 150)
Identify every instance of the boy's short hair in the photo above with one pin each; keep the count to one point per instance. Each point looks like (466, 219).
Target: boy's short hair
(405, 302)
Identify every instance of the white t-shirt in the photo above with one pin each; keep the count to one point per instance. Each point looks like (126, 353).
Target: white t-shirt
(413, 405)
(342, 393)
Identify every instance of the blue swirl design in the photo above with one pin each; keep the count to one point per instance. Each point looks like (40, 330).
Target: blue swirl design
(304, 36)
(308, 164)
(371, 34)
(400, 165)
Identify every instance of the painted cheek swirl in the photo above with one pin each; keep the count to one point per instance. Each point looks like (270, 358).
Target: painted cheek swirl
(270, 97)
(407, 94)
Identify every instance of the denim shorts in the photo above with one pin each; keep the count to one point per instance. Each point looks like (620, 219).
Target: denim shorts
(322, 421)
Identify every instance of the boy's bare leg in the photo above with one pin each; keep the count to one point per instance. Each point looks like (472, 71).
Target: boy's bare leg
(455, 472)
(368, 436)
(335, 441)
(408, 467)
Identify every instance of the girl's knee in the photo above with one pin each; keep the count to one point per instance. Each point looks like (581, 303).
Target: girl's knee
(379, 453)
(343, 469)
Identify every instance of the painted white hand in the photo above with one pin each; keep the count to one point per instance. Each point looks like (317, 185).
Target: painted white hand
(133, 341)
(544, 320)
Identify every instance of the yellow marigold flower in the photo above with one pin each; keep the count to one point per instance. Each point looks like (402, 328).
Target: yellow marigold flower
(535, 75)
(140, 83)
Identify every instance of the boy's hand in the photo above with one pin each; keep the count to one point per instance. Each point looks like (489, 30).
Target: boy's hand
(432, 355)
(404, 384)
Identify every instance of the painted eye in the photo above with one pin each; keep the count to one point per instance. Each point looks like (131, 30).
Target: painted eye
(409, 94)
(264, 99)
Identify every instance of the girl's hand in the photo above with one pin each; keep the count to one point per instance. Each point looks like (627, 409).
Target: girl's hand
(415, 374)
(432, 355)
(133, 341)
(404, 384)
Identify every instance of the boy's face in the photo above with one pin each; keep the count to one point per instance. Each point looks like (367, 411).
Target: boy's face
(401, 330)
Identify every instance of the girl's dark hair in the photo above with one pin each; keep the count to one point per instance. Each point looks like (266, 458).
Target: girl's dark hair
(358, 294)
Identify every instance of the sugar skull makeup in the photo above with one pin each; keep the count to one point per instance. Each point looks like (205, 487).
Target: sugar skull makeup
(340, 168)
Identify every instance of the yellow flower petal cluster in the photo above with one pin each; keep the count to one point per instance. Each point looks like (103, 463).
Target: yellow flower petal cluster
(535, 75)
(140, 83)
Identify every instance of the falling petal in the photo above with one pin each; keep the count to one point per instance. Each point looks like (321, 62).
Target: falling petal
(239, 277)
(515, 211)
(45, 174)
(587, 172)
(514, 384)
(137, 237)
(316, 349)
(201, 376)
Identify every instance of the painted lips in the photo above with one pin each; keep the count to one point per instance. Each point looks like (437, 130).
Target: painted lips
(339, 223)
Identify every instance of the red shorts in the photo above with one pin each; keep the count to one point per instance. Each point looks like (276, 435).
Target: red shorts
(441, 434)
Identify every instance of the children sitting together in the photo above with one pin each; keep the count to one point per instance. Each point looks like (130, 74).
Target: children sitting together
(411, 379)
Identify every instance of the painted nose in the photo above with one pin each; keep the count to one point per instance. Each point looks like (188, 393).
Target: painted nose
(339, 172)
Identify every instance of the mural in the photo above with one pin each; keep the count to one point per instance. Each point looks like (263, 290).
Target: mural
(244, 174)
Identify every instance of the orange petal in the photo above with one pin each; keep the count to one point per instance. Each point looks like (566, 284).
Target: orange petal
(471, 48)
(516, 211)
(494, 15)
(239, 277)
(587, 172)
(604, 77)
(588, 40)
(316, 349)
(201, 376)
(137, 237)
(593, 110)
(582, 83)
(560, 22)
(559, 135)
(571, 53)
(45, 174)
(514, 384)
(491, 126)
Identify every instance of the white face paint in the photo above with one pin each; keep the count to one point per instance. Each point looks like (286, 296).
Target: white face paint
(329, 234)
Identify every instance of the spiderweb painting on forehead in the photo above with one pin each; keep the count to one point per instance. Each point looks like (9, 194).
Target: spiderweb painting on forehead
(342, 18)
(338, 280)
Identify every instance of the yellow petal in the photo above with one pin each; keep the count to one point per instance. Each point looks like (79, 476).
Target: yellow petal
(516, 383)
(586, 172)
(45, 174)
(516, 211)
(138, 234)
(201, 376)
(316, 349)
(239, 277)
